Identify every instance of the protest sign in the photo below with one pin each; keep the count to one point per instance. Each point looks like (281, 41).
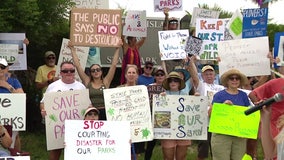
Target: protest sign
(249, 56)
(130, 104)
(9, 52)
(95, 4)
(231, 120)
(15, 158)
(193, 46)
(255, 22)
(59, 107)
(172, 44)
(210, 31)
(180, 117)
(95, 27)
(107, 140)
(20, 60)
(65, 55)
(160, 5)
(13, 110)
(135, 24)
(279, 48)
(235, 25)
(202, 13)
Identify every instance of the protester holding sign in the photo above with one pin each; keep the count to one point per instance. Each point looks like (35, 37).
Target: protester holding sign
(172, 148)
(227, 146)
(10, 85)
(66, 83)
(5, 142)
(131, 54)
(96, 82)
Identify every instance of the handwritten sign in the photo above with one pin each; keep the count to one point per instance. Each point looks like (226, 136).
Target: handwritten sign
(96, 4)
(279, 47)
(13, 110)
(255, 22)
(202, 13)
(95, 27)
(154, 89)
(135, 24)
(65, 55)
(15, 158)
(160, 5)
(20, 61)
(247, 55)
(9, 52)
(231, 120)
(210, 31)
(59, 107)
(235, 25)
(106, 140)
(180, 117)
(172, 44)
(130, 104)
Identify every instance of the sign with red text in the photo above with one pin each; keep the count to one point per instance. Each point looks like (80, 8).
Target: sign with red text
(65, 55)
(160, 5)
(20, 61)
(13, 110)
(107, 140)
(59, 107)
(130, 104)
(231, 120)
(95, 27)
(202, 13)
(16, 158)
(210, 31)
(180, 117)
(135, 24)
(249, 56)
(172, 44)
(97, 4)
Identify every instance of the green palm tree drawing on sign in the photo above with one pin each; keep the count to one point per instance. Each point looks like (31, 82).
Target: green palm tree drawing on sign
(52, 117)
(110, 111)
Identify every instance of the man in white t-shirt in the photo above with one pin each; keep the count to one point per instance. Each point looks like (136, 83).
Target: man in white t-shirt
(204, 87)
(67, 82)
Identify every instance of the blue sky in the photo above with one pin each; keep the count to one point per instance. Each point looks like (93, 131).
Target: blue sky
(188, 5)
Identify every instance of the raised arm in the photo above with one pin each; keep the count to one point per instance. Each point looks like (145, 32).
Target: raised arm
(109, 77)
(141, 42)
(84, 77)
(166, 21)
(193, 71)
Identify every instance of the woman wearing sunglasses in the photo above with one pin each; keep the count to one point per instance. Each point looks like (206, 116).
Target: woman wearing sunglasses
(96, 82)
(227, 146)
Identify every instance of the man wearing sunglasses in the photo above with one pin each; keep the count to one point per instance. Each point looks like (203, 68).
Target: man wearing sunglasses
(66, 83)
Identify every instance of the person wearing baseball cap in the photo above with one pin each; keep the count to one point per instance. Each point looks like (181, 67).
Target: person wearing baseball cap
(91, 113)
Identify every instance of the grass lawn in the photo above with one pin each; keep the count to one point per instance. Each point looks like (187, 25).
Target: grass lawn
(35, 143)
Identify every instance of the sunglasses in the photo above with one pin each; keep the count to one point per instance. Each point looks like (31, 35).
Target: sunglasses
(159, 74)
(173, 22)
(174, 80)
(234, 78)
(68, 71)
(148, 67)
(49, 58)
(92, 113)
(3, 67)
(96, 70)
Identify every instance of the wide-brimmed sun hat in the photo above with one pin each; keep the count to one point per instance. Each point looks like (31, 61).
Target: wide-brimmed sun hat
(225, 77)
(173, 74)
(184, 71)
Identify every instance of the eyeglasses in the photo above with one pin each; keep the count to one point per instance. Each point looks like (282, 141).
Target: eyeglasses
(148, 67)
(174, 80)
(3, 67)
(173, 22)
(68, 71)
(49, 58)
(96, 70)
(159, 74)
(234, 78)
(92, 113)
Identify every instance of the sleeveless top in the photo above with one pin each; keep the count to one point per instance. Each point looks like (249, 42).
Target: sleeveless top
(132, 56)
(96, 95)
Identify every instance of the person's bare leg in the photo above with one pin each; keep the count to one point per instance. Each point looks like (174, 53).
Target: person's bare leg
(169, 153)
(55, 154)
(181, 152)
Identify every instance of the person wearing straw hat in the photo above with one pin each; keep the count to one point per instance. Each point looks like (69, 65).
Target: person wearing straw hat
(227, 146)
(186, 77)
(174, 148)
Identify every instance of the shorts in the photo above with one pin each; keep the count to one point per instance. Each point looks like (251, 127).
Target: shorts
(171, 143)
